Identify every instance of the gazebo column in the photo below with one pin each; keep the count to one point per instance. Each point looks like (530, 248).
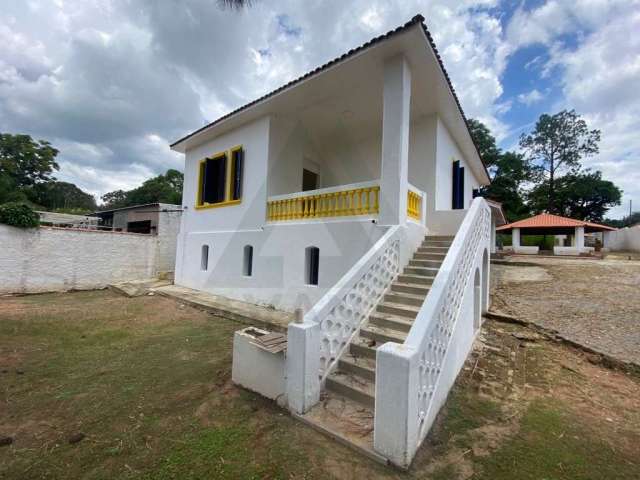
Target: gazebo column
(515, 238)
(579, 238)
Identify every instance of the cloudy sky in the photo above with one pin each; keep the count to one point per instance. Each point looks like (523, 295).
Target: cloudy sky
(112, 82)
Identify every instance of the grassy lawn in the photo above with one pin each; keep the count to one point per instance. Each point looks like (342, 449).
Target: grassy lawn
(147, 382)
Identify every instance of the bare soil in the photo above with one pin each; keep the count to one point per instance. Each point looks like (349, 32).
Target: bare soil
(592, 302)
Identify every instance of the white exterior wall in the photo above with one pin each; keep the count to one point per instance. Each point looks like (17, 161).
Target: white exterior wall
(58, 259)
(278, 260)
(625, 239)
(447, 152)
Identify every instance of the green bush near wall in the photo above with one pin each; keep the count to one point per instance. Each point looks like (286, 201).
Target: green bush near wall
(544, 242)
(19, 215)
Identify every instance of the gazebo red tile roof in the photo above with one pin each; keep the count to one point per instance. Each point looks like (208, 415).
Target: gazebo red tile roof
(547, 220)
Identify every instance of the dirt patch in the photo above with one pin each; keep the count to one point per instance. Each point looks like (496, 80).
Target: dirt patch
(591, 302)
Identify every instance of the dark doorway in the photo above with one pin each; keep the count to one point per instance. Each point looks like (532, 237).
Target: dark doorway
(143, 226)
(309, 180)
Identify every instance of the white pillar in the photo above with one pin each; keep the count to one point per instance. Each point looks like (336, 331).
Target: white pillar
(303, 363)
(395, 141)
(515, 238)
(580, 238)
(492, 247)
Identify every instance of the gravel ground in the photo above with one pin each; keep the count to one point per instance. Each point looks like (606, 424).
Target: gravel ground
(593, 302)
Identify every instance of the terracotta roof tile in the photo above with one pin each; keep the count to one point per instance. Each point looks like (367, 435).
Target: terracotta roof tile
(547, 220)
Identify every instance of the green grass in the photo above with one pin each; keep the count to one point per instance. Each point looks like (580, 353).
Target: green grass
(555, 444)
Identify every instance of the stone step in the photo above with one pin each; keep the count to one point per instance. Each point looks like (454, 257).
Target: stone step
(410, 278)
(425, 263)
(382, 335)
(353, 387)
(442, 250)
(437, 243)
(429, 256)
(364, 367)
(424, 271)
(361, 347)
(413, 288)
(405, 298)
(390, 321)
(439, 237)
(400, 309)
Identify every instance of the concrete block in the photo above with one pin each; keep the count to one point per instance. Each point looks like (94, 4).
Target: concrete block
(303, 366)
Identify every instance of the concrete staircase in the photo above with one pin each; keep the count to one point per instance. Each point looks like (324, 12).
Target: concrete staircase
(346, 409)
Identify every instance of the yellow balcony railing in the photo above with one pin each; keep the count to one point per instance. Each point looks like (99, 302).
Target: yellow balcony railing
(348, 200)
(414, 204)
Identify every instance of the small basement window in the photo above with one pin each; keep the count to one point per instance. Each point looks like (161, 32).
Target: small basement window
(247, 262)
(312, 263)
(204, 258)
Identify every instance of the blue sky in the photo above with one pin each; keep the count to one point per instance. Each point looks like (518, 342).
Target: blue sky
(112, 82)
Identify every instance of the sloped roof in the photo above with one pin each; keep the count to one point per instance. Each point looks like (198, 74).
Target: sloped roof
(416, 20)
(547, 220)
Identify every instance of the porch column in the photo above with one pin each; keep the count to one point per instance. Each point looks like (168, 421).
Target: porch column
(580, 238)
(515, 238)
(395, 141)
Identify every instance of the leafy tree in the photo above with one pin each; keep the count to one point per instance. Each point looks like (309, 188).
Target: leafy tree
(485, 142)
(19, 215)
(165, 188)
(558, 143)
(235, 4)
(582, 195)
(24, 161)
(61, 196)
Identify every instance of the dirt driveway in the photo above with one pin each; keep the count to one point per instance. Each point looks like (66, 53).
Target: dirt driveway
(593, 302)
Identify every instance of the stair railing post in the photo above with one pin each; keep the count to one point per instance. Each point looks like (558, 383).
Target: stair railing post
(395, 433)
(303, 365)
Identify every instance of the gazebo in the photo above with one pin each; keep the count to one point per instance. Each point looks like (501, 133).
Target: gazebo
(547, 224)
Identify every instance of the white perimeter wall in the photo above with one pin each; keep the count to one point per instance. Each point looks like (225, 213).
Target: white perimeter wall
(56, 259)
(625, 239)
(278, 260)
(168, 229)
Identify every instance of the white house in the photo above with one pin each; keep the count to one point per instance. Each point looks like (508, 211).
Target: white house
(349, 193)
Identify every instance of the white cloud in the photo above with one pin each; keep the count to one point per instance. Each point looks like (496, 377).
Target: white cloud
(531, 97)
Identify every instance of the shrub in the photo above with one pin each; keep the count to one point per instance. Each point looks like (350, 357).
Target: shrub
(19, 215)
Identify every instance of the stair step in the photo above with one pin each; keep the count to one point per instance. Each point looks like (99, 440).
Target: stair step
(353, 387)
(405, 298)
(439, 237)
(437, 243)
(443, 250)
(382, 335)
(410, 278)
(425, 263)
(364, 367)
(424, 271)
(361, 347)
(414, 288)
(390, 322)
(429, 256)
(400, 309)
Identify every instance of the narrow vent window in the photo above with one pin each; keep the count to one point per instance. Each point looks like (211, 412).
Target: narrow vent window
(312, 264)
(247, 262)
(204, 258)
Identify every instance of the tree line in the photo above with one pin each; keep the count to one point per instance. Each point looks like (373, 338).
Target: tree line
(27, 168)
(546, 174)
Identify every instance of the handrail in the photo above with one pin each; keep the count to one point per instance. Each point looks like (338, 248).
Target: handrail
(349, 302)
(420, 370)
(344, 200)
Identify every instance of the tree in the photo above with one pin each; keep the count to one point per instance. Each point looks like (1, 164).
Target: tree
(509, 171)
(61, 196)
(485, 142)
(235, 4)
(165, 188)
(582, 195)
(558, 143)
(24, 161)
